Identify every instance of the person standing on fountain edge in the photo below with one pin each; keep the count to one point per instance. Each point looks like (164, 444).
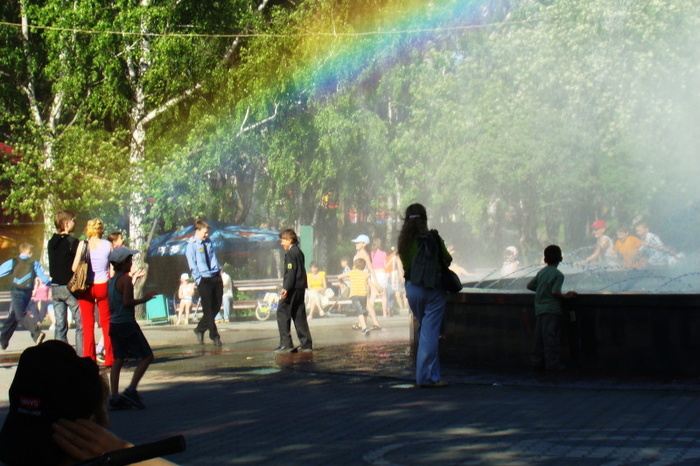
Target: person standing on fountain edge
(546, 353)
(291, 305)
(426, 296)
(206, 273)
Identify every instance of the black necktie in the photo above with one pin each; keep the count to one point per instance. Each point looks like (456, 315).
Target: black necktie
(206, 256)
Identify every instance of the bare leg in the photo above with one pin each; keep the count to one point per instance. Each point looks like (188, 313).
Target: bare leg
(180, 309)
(114, 375)
(362, 322)
(370, 308)
(385, 304)
(188, 307)
(140, 370)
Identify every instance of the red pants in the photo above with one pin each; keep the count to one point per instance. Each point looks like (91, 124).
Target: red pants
(95, 294)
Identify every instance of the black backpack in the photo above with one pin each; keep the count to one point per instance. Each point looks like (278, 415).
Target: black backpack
(23, 274)
(426, 266)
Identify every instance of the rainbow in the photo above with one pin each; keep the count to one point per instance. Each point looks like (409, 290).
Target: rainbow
(380, 39)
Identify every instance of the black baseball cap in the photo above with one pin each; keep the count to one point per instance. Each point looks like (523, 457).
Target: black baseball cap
(51, 383)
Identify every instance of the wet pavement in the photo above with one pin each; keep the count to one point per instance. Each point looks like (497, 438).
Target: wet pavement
(351, 401)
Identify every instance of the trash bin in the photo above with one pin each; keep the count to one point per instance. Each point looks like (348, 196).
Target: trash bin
(157, 311)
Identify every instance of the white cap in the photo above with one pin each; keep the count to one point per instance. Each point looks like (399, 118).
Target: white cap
(361, 239)
(184, 276)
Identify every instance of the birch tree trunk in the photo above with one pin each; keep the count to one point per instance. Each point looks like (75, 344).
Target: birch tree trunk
(46, 127)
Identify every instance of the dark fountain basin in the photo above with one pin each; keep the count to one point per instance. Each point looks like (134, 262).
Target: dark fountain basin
(618, 333)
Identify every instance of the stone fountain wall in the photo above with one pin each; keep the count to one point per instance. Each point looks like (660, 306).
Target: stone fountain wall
(619, 333)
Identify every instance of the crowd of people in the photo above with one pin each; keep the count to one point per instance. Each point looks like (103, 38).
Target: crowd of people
(641, 250)
(373, 276)
(58, 398)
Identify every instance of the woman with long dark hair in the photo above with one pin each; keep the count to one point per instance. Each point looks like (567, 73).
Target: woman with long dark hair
(427, 304)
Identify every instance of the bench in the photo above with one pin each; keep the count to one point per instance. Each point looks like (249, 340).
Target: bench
(274, 285)
(264, 285)
(268, 285)
(4, 304)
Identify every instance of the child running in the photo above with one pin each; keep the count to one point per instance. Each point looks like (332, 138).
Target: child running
(127, 338)
(24, 270)
(359, 288)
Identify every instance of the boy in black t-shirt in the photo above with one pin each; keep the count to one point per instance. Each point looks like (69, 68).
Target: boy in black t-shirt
(61, 248)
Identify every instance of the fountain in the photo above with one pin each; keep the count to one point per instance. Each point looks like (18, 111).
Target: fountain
(644, 322)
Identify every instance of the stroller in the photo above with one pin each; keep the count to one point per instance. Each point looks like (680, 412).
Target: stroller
(266, 306)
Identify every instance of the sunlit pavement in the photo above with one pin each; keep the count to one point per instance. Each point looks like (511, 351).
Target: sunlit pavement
(351, 401)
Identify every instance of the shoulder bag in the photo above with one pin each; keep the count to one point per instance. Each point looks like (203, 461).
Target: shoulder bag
(78, 281)
(450, 280)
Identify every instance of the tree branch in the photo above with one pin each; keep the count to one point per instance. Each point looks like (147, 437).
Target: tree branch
(170, 103)
(263, 4)
(75, 116)
(259, 123)
(225, 59)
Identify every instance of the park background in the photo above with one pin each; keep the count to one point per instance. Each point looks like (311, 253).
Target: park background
(514, 122)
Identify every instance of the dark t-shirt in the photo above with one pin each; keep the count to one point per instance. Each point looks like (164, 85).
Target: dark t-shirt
(62, 250)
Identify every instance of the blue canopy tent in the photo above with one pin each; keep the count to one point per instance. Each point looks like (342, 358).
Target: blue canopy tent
(226, 239)
(242, 247)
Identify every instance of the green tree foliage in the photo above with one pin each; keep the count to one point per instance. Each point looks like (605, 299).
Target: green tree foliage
(523, 127)
(50, 87)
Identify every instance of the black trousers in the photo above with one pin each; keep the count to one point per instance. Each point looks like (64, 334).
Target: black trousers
(211, 292)
(289, 309)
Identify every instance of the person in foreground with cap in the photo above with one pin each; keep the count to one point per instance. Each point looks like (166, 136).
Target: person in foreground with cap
(604, 252)
(127, 338)
(57, 412)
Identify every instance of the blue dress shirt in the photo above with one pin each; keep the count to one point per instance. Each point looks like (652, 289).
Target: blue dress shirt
(197, 259)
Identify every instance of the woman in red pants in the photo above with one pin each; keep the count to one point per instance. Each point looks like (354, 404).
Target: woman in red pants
(96, 293)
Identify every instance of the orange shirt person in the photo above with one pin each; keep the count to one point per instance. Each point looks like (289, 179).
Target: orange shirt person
(627, 246)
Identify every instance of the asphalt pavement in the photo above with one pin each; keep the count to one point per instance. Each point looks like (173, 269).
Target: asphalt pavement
(352, 401)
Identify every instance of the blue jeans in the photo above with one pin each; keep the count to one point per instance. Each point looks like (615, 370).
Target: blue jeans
(20, 300)
(227, 301)
(428, 307)
(63, 299)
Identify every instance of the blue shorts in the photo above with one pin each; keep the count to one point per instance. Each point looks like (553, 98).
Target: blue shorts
(128, 341)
